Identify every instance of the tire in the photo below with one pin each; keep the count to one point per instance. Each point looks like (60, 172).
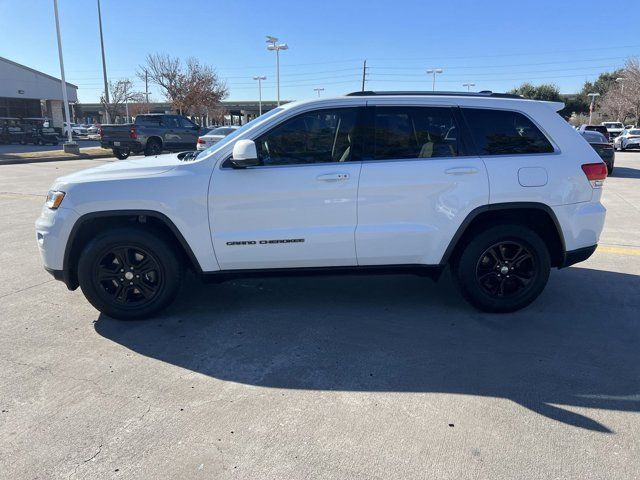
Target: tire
(144, 259)
(622, 147)
(153, 147)
(121, 154)
(485, 268)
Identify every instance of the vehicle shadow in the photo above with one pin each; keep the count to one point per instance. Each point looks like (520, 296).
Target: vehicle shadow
(626, 172)
(405, 334)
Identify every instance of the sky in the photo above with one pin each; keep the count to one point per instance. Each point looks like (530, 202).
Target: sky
(495, 44)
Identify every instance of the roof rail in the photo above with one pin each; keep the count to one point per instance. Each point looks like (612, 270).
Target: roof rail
(484, 93)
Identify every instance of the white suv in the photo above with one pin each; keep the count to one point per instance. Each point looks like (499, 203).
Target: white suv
(497, 187)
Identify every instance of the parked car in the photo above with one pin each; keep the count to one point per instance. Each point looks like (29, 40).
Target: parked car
(213, 136)
(629, 139)
(613, 128)
(601, 145)
(11, 131)
(369, 182)
(76, 130)
(93, 129)
(44, 135)
(150, 133)
(629, 127)
(595, 128)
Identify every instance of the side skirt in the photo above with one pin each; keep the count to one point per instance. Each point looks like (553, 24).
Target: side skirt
(431, 271)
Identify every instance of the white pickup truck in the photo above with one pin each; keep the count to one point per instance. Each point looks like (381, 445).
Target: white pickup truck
(498, 188)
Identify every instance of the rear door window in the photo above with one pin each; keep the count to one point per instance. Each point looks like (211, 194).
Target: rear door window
(502, 132)
(415, 132)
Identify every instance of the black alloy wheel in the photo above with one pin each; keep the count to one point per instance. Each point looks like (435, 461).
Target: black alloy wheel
(128, 275)
(505, 269)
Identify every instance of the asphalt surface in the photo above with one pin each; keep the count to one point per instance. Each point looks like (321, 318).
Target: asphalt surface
(338, 377)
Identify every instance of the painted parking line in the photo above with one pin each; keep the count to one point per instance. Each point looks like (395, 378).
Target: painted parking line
(633, 251)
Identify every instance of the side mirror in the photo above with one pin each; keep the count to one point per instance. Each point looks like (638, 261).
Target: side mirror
(244, 154)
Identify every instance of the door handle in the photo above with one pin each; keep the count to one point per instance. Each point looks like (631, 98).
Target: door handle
(333, 177)
(461, 171)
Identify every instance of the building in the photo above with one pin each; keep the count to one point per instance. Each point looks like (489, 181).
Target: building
(28, 93)
(236, 112)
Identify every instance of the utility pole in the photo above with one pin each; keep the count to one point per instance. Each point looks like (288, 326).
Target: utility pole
(272, 44)
(126, 98)
(260, 79)
(468, 85)
(69, 146)
(318, 90)
(364, 74)
(592, 104)
(146, 87)
(434, 71)
(104, 68)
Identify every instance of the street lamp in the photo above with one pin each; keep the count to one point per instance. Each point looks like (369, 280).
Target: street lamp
(259, 79)
(272, 44)
(104, 69)
(434, 71)
(620, 80)
(592, 104)
(468, 85)
(318, 90)
(69, 146)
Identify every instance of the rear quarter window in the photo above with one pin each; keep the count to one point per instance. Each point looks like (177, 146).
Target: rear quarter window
(503, 132)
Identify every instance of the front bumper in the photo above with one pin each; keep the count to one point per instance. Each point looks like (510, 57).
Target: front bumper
(53, 229)
(575, 256)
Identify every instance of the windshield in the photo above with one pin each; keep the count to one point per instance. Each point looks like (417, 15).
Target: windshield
(634, 132)
(230, 138)
(594, 137)
(221, 131)
(613, 125)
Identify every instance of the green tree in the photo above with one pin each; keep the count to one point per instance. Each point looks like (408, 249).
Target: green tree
(603, 83)
(544, 91)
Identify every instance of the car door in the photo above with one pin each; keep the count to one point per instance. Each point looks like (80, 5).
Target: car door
(418, 183)
(298, 208)
(188, 133)
(172, 132)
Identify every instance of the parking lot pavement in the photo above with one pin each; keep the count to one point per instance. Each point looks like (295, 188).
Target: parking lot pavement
(15, 148)
(341, 378)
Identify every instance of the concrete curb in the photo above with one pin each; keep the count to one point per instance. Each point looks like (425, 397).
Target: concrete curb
(15, 161)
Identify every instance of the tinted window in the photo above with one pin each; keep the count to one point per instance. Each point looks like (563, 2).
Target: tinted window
(414, 132)
(170, 122)
(594, 137)
(148, 120)
(221, 131)
(313, 137)
(633, 132)
(184, 123)
(500, 132)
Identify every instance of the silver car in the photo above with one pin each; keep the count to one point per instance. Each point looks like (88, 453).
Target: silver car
(627, 139)
(213, 136)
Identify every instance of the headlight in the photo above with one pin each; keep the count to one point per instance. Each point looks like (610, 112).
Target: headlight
(54, 199)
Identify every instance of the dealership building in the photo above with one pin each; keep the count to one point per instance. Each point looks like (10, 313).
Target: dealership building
(28, 93)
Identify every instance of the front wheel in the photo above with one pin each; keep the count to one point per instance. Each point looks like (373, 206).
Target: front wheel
(502, 269)
(129, 273)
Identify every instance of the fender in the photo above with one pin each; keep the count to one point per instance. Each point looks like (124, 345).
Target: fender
(497, 207)
(69, 277)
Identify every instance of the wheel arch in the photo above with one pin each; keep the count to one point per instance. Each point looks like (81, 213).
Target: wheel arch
(88, 225)
(538, 216)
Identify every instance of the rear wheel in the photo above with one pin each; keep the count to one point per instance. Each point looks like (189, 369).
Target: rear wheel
(129, 273)
(121, 154)
(503, 268)
(154, 147)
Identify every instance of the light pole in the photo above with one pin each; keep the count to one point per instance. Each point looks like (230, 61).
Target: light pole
(434, 71)
(468, 85)
(620, 80)
(592, 104)
(69, 146)
(259, 79)
(272, 44)
(104, 68)
(318, 90)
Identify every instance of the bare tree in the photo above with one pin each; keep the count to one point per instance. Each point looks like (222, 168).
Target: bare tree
(192, 89)
(120, 94)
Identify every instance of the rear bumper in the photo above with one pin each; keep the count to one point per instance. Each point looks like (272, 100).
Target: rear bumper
(132, 145)
(572, 257)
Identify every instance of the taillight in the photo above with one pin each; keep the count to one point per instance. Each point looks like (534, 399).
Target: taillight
(201, 141)
(132, 133)
(596, 173)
